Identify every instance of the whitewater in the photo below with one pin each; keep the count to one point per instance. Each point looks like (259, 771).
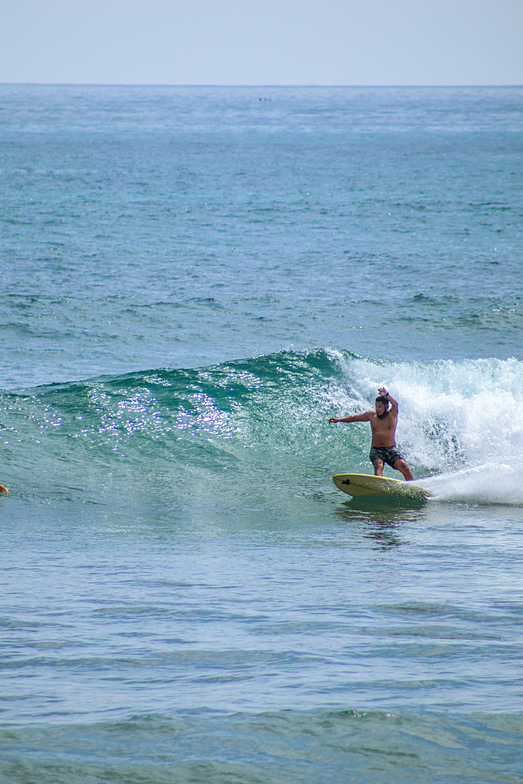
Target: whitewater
(194, 281)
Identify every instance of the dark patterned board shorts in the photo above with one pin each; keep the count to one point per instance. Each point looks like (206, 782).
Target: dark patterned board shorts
(389, 454)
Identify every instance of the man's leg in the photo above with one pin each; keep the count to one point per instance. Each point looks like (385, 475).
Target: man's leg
(378, 467)
(400, 465)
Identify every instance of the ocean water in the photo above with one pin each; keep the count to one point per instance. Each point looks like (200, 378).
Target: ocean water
(194, 281)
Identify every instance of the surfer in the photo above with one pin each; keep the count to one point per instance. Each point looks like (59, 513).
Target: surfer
(383, 423)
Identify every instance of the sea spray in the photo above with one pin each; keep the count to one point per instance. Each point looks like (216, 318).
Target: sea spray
(452, 414)
(491, 483)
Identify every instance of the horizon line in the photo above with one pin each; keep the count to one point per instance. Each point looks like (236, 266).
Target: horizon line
(256, 86)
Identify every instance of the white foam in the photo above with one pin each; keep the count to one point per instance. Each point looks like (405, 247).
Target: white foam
(485, 484)
(461, 421)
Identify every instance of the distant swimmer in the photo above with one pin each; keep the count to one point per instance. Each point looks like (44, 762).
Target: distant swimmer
(383, 422)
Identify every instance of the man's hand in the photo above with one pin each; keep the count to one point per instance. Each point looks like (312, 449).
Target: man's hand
(383, 392)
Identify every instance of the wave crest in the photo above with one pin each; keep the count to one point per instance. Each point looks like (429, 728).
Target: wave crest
(268, 416)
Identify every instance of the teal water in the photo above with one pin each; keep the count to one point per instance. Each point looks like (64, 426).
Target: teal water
(195, 280)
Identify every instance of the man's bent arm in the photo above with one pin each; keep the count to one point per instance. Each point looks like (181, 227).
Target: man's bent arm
(393, 403)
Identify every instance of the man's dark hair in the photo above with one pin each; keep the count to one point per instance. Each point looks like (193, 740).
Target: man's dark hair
(381, 399)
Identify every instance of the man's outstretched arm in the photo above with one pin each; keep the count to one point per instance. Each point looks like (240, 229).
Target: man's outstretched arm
(356, 418)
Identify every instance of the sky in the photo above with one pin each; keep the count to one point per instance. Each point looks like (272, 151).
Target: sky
(262, 42)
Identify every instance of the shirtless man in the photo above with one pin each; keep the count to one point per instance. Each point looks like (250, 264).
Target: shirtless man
(383, 423)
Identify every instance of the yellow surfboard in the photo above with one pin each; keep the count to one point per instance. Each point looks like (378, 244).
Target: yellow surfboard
(4, 490)
(369, 486)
